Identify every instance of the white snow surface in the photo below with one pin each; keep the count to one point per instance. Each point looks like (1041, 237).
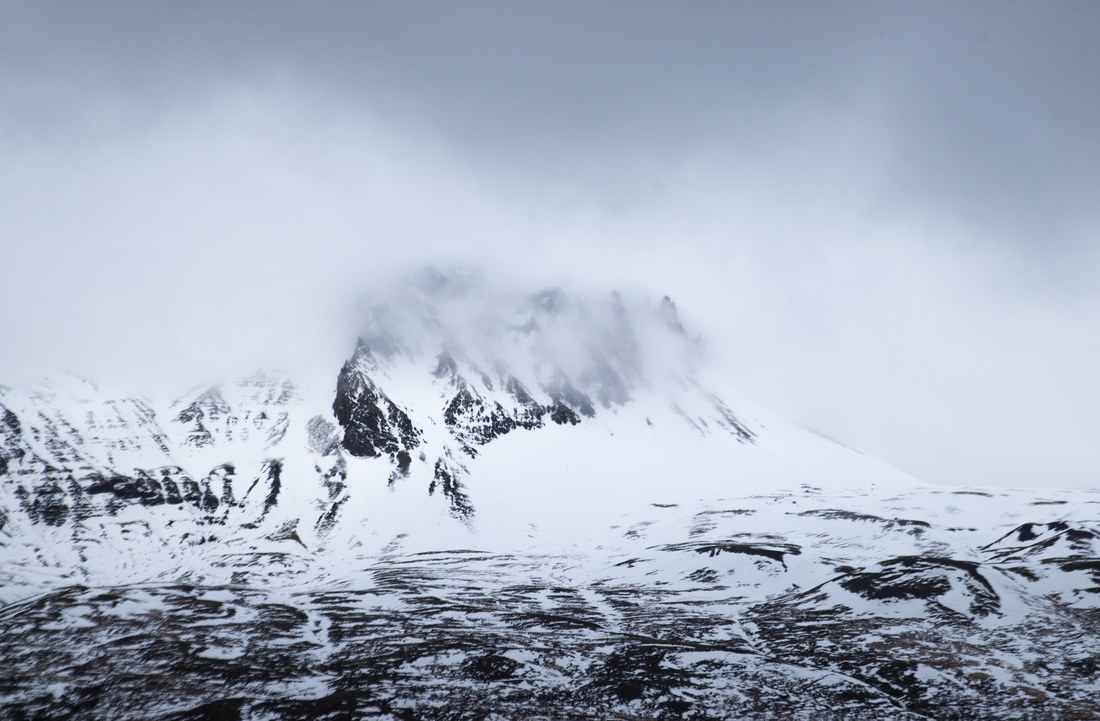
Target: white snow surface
(662, 462)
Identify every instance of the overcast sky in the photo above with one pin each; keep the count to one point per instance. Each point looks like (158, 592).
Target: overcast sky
(884, 217)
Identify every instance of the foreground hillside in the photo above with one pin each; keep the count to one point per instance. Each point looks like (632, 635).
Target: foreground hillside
(779, 605)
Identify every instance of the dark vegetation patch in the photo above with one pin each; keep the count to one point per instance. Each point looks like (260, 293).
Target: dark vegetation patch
(836, 513)
(427, 636)
(773, 552)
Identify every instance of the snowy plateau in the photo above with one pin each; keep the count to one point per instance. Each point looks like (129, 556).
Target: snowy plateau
(516, 506)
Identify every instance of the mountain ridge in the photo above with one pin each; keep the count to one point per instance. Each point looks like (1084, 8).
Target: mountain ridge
(504, 504)
(444, 378)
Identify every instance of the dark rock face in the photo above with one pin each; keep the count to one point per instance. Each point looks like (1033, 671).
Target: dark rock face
(446, 365)
(259, 410)
(528, 413)
(925, 578)
(445, 478)
(373, 424)
(564, 394)
(915, 526)
(209, 405)
(274, 476)
(583, 360)
(322, 436)
(475, 421)
(143, 488)
(9, 423)
(774, 552)
(563, 414)
(46, 503)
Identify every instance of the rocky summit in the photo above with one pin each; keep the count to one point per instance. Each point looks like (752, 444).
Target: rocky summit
(516, 505)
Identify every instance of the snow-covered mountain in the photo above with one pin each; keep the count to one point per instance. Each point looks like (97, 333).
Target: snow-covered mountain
(521, 504)
(459, 412)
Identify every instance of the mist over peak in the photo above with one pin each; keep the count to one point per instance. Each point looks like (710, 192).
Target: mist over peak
(495, 322)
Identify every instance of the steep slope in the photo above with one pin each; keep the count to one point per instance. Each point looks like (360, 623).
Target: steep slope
(466, 391)
(96, 490)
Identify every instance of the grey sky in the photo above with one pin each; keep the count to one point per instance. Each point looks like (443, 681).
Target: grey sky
(882, 214)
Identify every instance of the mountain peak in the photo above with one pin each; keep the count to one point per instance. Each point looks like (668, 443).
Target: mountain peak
(551, 331)
(491, 404)
(446, 365)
